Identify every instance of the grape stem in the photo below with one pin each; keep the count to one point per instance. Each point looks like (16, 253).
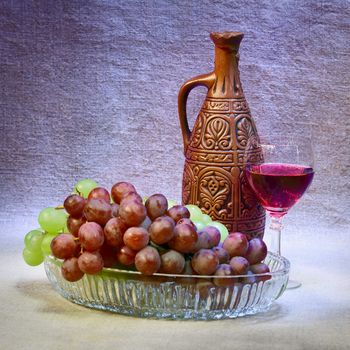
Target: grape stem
(159, 248)
(59, 207)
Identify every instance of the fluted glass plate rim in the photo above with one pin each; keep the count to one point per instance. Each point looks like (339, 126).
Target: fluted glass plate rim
(182, 297)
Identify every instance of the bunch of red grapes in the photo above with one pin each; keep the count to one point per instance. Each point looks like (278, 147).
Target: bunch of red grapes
(149, 237)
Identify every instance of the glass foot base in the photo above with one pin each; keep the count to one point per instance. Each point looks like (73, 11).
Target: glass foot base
(293, 284)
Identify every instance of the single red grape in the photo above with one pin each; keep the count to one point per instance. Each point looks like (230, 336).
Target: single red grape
(147, 261)
(91, 236)
(90, 262)
(239, 265)
(223, 270)
(256, 251)
(178, 212)
(236, 244)
(63, 246)
(172, 262)
(71, 271)
(114, 231)
(126, 256)
(132, 212)
(222, 254)
(120, 189)
(185, 238)
(74, 205)
(214, 235)
(98, 210)
(136, 238)
(156, 206)
(162, 230)
(260, 268)
(100, 193)
(205, 262)
(187, 221)
(132, 196)
(73, 224)
(203, 241)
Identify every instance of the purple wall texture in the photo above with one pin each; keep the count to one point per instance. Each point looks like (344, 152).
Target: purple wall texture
(89, 89)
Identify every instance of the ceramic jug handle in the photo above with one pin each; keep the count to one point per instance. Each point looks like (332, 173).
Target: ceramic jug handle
(201, 80)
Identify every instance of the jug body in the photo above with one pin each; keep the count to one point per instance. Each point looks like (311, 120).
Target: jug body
(213, 176)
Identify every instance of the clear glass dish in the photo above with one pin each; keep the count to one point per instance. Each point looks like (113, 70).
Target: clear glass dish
(174, 296)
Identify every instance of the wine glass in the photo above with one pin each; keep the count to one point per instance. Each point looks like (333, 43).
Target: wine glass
(279, 172)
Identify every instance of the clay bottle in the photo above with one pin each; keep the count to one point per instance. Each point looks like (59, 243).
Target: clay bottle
(213, 176)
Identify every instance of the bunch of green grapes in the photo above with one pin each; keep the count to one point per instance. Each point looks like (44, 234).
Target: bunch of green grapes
(202, 220)
(52, 221)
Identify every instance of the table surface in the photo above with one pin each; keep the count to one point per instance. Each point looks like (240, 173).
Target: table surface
(315, 316)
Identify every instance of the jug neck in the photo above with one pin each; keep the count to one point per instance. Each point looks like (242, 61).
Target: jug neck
(227, 82)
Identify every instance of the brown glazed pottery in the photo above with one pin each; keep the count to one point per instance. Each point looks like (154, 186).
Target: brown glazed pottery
(213, 175)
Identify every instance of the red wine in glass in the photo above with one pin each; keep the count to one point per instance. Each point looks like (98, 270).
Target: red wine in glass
(278, 186)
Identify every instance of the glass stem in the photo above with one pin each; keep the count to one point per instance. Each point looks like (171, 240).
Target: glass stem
(276, 229)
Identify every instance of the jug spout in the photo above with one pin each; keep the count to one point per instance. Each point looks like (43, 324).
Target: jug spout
(228, 41)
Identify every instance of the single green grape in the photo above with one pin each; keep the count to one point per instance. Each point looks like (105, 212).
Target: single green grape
(30, 234)
(84, 187)
(32, 258)
(221, 227)
(52, 220)
(199, 224)
(46, 242)
(171, 203)
(206, 219)
(196, 213)
(34, 243)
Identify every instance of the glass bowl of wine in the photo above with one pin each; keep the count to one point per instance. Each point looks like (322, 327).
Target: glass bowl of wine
(279, 176)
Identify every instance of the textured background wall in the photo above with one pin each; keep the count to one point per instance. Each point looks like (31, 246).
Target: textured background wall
(89, 89)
